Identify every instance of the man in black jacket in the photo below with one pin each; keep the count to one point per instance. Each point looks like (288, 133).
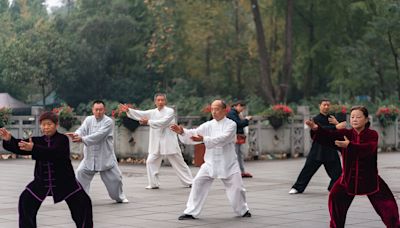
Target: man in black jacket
(234, 114)
(321, 155)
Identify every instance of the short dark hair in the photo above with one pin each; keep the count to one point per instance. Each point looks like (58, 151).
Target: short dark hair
(98, 102)
(239, 102)
(323, 100)
(49, 116)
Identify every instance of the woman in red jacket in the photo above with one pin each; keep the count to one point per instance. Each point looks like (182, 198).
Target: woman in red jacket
(360, 173)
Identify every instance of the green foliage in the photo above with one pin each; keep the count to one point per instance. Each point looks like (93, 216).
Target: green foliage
(196, 51)
(66, 116)
(4, 116)
(387, 115)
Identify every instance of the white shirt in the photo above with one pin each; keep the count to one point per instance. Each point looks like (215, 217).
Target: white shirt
(162, 139)
(219, 139)
(98, 140)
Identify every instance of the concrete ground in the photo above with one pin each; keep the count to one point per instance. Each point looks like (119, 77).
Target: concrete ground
(267, 195)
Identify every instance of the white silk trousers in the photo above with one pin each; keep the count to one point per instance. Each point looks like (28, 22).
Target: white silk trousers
(235, 192)
(181, 169)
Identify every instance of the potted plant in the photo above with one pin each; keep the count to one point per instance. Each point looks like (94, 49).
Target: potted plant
(278, 114)
(121, 118)
(387, 115)
(66, 116)
(5, 114)
(339, 111)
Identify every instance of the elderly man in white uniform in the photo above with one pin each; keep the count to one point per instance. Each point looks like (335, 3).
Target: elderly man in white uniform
(97, 135)
(218, 136)
(163, 141)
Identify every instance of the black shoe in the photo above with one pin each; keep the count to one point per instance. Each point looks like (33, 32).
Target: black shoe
(186, 217)
(247, 214)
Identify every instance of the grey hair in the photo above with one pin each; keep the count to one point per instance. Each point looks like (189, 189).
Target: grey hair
(160, 95)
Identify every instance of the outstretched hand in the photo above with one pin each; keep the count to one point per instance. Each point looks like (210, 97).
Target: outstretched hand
(311, 124)
(197, 138)
(26, 146)
(176, 128)
(342, 144)
(74, 137)
(4, 134)
(333, 120)
(124, 107)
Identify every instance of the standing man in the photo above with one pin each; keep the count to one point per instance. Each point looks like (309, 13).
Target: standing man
(234, 114)
(163, 142)
(218, 136)
(97, 135)
(319, 154)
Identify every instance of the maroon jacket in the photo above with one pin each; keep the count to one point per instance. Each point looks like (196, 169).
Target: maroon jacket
(360, 171)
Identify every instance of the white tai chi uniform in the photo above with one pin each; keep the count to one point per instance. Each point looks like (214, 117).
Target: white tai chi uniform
(97, 137)
(163, 142)
(219, 138)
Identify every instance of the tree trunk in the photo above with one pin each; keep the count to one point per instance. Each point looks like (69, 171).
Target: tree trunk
(287, 61)
(208, 54)
(307, 87)
(265, 68)
(239, 58)
(43, 94)
(396, 62)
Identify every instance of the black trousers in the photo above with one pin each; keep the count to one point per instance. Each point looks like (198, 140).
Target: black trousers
(79, 204)
(332, 168)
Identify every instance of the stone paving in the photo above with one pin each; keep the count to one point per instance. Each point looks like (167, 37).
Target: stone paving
(267, 195)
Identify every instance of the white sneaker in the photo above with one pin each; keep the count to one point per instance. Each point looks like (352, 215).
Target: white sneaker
(293, 191)
(151, 187)
(123, 201)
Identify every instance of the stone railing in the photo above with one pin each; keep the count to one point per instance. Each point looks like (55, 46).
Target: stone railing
(290, 140)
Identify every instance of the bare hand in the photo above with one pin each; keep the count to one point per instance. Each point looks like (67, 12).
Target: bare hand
(249, 117)
(76, 138)
(342, 144)
(311, 124)
(70, 134)
(333, 120)
(176, 128)
(123, 107)
(144, 121)
(341, 125)
(197, 138)
(26, 146)
(4, 134)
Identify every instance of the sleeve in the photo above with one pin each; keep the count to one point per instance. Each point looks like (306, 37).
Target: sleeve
(138, 114)
(365, 149)
(187, 133)
(100, 134)
(320, 122)
(58, 151)
(12, 146)
(226, 137)
(241, 123)
(327, 137)
(164, 121)
(82, 130)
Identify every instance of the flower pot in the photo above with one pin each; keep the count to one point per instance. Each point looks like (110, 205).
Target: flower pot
(340, 116)
(275, 122)
(67, 123)
(129, 123)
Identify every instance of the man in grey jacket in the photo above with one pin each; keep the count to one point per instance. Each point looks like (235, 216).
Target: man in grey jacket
(96, 133)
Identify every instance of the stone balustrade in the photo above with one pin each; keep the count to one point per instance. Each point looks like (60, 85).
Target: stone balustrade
(264, 142)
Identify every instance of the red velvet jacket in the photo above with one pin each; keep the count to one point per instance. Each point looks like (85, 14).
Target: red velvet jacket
(360, 171)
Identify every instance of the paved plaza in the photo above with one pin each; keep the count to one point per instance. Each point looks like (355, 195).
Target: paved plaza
(267, 195)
